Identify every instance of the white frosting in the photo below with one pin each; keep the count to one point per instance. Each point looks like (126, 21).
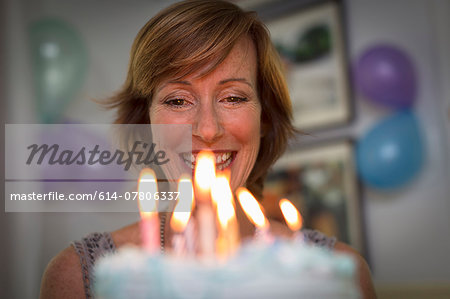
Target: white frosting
(284, 269)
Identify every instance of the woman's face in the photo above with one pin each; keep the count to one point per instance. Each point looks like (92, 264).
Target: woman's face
(223, 108)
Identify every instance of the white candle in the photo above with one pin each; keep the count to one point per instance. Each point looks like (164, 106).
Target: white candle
(179, 244)
(228, 231)
(207, 232)
(254, 212)
(293, 218)
(205, 173)
(181, 216)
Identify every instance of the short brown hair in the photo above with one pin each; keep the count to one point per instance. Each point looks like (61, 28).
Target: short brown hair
(198, 35)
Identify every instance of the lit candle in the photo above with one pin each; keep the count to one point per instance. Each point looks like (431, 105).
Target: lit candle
(149, 225)
(205, 173)
(228, 231)
(292, 217)
(254, 212)
(191, 239)
(182, 239)
(185, 187)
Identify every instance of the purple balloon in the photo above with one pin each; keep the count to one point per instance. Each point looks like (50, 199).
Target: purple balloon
(79, 178)
(386, 75)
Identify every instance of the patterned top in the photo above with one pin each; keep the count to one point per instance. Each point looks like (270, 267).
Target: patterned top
(89, 249)
(96, 245)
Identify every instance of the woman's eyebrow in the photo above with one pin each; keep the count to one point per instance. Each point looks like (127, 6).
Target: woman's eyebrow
(179, 82)
(174, 82)
(243, 80)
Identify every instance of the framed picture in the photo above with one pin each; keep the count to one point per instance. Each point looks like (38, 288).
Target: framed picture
(310, 39)
(321, 182)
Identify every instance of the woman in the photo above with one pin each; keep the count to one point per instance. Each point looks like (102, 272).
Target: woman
(211, 65)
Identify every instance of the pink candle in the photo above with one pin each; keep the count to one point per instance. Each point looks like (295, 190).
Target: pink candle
(149, 225)
(190, 238)
(150, 232)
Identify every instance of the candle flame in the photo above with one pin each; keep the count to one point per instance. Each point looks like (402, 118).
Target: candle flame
(252, 208)
(147, 188)
(205, 170)
(222, 197)
(184, 206)
(204, 176)
(291, 215)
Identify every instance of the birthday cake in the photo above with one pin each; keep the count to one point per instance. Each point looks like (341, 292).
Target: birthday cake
(282, 269)
(264, 267)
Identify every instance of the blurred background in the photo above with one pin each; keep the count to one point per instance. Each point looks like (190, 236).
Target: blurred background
(382, 70)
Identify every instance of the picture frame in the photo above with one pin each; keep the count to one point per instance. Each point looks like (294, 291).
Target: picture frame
(321, 181)
(310, 39)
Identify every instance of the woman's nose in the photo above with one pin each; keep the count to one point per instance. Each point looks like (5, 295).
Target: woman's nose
(207, 125)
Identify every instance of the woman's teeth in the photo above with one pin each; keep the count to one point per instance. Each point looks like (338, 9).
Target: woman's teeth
(223, 160)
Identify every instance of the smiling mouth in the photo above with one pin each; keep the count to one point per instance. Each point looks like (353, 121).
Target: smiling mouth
(223, 159)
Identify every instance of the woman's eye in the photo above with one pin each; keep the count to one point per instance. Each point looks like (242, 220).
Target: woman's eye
(176, 102)
(235, 100)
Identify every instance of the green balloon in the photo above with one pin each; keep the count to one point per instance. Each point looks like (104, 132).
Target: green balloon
(59, 60)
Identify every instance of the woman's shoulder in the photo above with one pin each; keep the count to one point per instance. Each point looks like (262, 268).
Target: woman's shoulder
(128, 235)
(63, 277)
(365, 277)
(320, 239)
(68, 273)
(310, 235)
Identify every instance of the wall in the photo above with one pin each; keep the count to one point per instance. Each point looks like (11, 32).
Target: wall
(407, 230)
(413, 222)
